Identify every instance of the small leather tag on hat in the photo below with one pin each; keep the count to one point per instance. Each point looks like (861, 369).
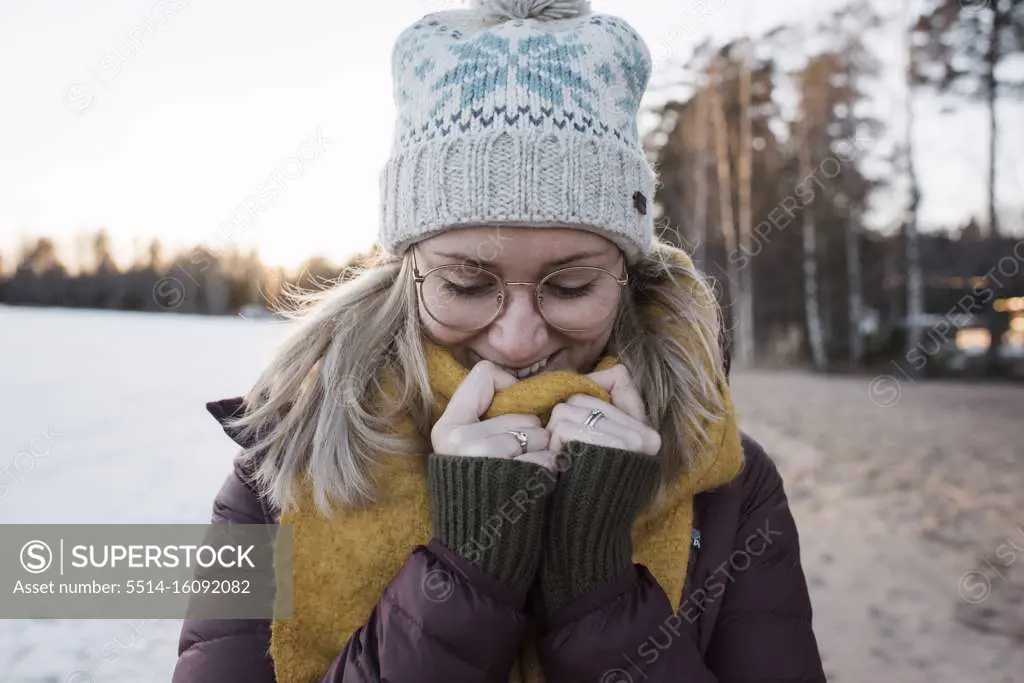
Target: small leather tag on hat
(640, 202)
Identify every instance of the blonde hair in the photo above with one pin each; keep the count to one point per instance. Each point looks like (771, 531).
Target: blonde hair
(312, 411)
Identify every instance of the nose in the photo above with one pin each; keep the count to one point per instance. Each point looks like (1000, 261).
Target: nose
(520, 332)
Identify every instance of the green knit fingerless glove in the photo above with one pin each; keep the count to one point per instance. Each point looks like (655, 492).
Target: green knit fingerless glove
(491, 511)
(590, 519)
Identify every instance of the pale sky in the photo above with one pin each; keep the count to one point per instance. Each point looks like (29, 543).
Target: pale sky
(162, 117)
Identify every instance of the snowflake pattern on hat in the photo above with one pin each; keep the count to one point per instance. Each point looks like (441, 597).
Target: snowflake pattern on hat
(529, 121)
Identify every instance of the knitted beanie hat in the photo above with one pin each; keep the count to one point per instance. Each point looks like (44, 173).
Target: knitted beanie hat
(518, 113)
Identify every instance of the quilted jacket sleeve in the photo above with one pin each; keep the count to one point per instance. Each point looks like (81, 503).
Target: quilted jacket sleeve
(227, 649)
(763, 632)
(626, 630)
(440, 619)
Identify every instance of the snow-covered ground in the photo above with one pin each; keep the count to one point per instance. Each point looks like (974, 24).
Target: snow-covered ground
(897, 497)
(118, 399)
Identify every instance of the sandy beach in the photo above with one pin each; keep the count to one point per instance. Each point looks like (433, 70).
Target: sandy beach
(909, 499)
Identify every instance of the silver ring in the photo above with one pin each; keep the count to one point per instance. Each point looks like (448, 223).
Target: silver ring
(522, 438)
(593, 418)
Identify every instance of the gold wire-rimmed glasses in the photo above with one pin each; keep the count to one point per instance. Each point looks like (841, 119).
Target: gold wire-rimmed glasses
(468, 297)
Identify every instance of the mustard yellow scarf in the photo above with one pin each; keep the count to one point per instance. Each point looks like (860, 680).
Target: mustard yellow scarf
(342, 564)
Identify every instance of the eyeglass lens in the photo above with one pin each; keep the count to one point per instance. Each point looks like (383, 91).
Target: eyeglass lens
(467, 297)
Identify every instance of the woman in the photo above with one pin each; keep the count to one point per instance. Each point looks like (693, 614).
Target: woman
(506, 447)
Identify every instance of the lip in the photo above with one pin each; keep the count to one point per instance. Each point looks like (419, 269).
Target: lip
(476, 358)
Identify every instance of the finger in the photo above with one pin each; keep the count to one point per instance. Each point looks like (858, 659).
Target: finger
(496, 425)
(449, 438)
(578, 414)
(629, 434)
(505, 445)
(476, 392)
(586, 403)
(650, 440)
(617, 381)
(564, 432)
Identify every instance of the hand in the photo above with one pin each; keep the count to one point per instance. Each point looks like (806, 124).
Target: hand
(459, 430)
(624, 425)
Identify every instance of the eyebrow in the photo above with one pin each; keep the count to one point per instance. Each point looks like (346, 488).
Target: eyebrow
(555, 263)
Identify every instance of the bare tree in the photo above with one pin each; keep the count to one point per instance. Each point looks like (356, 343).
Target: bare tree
(855, 282)
(700, 178)
(915, 289)
(725, 214)
(962, 45)
(745, 347)
(812, 309)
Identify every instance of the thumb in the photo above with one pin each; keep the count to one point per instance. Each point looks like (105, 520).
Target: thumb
(476, 392)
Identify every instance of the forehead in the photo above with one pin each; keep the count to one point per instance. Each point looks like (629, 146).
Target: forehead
(517, 247)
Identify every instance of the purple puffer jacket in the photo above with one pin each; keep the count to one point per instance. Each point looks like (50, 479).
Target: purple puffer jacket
(745, 615)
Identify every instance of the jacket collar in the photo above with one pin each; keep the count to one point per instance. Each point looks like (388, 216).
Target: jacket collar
(226, 409)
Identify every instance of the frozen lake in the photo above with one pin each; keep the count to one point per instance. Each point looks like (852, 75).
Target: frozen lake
(894, 502)
(118, 399)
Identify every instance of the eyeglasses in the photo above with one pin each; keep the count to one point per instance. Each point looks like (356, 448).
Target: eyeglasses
(467, 297)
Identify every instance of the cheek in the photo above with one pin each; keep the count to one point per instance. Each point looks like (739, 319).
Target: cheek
(456, 342)
(598, 338)
(586, 350)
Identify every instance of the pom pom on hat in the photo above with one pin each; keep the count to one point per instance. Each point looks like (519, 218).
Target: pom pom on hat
(533, 9)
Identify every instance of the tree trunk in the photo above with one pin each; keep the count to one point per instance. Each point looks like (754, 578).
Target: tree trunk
(815, 336)
(701, 195)
(915, 291)
(997, 325)
(745, 350)
(991, 92)
(854, 285)
(725, 212)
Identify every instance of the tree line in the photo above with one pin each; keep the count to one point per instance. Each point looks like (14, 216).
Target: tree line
(200, 279)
